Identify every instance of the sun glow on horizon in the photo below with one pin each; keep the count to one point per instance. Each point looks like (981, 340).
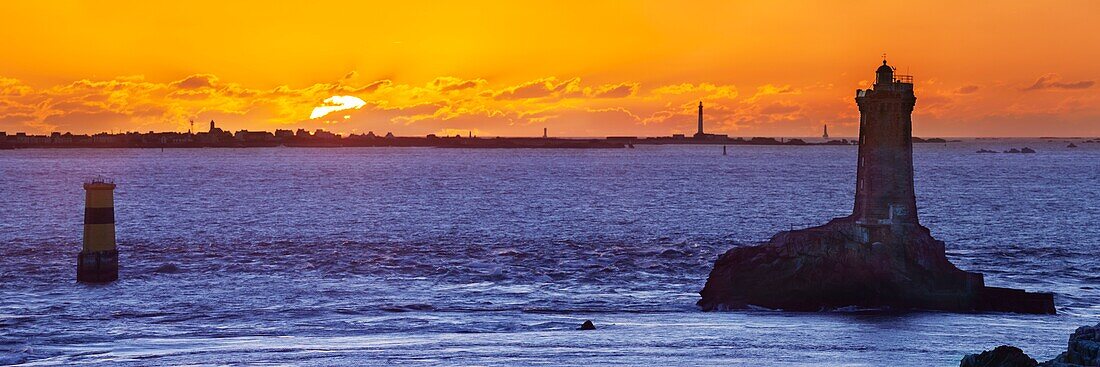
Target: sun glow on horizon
(337, 103)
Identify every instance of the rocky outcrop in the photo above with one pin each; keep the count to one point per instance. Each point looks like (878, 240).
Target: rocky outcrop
(1002, 356)
(1083, 351)
(848, 264)
(587, 325)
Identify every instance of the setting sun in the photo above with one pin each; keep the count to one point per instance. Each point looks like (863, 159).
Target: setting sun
(336, 103)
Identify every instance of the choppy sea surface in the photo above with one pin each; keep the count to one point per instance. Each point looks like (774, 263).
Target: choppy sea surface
(380, 256)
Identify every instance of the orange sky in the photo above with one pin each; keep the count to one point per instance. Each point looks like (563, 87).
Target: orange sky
(579, 68)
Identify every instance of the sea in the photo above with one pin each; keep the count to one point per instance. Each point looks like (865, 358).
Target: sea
(487, 257)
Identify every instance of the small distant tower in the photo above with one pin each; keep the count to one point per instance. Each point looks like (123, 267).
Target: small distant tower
(700, 132)
(98, 260)
(212, 126)
(884, 174)
(544, 133)
(825, 133)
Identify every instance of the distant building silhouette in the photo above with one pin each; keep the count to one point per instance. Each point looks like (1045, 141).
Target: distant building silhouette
(254, 136)
(322, 134)
(825, 133)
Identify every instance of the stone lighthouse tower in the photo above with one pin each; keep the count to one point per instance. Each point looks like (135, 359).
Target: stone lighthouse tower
(884, 175)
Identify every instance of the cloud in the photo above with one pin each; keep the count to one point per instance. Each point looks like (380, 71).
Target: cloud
(533, 89)
(449, 84)
(621, 90)
(13, 87)
(1053, 81)
(373, 86)
(702, 90)
(779, 109)
(771, 90)
(966, 89)
(196, 81)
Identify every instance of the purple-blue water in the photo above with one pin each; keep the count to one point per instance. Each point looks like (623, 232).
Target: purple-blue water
(489, 257)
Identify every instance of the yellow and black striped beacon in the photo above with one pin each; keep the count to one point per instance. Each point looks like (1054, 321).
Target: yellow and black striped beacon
(98, 261)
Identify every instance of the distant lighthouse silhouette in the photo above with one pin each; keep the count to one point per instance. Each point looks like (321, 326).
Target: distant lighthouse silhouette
(700, 133)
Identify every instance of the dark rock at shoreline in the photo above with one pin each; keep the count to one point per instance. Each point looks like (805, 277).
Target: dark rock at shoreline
(843, 264)
(1002, 356)
(1027, 150)
(1083, 351)
(985, 151)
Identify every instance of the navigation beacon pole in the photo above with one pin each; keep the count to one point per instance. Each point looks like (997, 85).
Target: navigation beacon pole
(98, 261)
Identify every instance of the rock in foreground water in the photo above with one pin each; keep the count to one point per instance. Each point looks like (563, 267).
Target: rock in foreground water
(1002, 356)
(1083, 351)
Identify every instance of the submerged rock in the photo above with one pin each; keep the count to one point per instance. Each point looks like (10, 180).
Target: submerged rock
(844, 263)
(1027, 150)
(587, 325)
(1002, 356)
(168, 268)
